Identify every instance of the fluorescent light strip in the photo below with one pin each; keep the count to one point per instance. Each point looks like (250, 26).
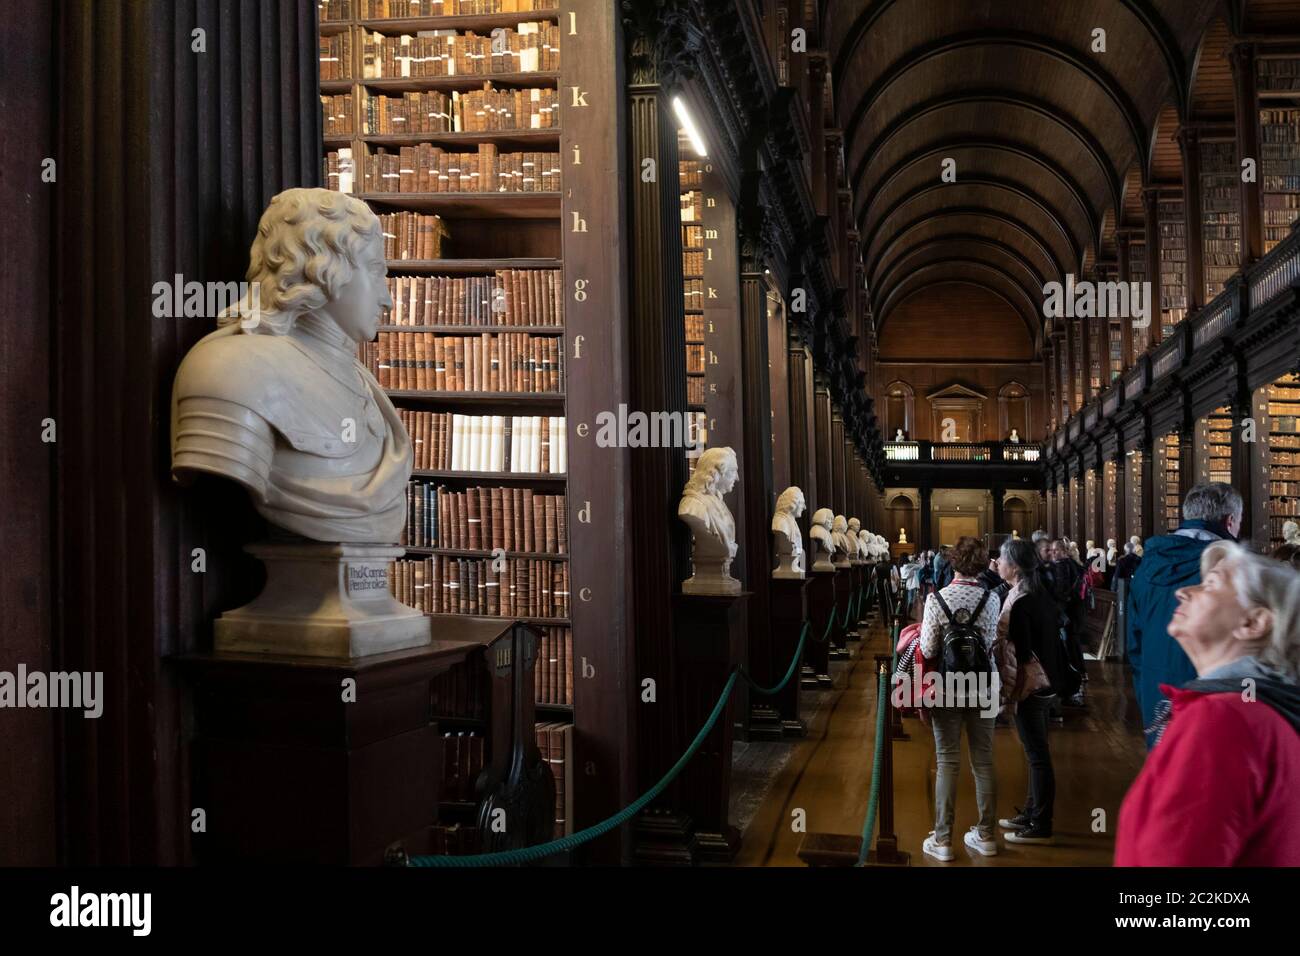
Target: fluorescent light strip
(688, 124)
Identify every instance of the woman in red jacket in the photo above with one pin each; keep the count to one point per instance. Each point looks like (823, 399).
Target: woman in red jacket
(1219, 788)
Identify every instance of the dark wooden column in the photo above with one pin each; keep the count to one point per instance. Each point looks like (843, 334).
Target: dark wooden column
(660, 559)
(1246, 476)
(1088, 328)
(1126, 324)
(1189, 145)
(1071, 365)
(840, 495)
(1150, 336)
(822, 438)
(803, 446)
(817, 67)
(927, 534)
(166, 160)
(998, 493)
(1120, 464)
(1246, 102)
(1049, 377)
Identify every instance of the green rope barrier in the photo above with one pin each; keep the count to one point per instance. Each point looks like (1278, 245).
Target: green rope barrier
(873, 801)
(830, 623)
(574, 840)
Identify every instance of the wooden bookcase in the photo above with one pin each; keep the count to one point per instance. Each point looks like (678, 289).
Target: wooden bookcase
(1278, 85)
(1110, 503)
(1214, 447)
(570, 250)
(1168, 480)
(1277, 419)
(1220, 213)
(1173, 264)
(1133, 497)
(690, 174)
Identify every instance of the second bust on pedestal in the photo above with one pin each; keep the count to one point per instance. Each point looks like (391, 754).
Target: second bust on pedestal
(820, 533)
(713, 529)
(789, 539)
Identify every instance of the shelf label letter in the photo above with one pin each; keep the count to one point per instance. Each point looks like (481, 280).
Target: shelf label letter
(584, 513)
(579, 224)
(579, 97)
(578, 340)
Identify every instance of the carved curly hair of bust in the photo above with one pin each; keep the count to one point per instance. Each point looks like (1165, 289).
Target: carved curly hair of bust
(308, 242)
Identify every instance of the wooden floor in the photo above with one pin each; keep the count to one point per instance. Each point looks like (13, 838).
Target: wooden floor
(1096, 755)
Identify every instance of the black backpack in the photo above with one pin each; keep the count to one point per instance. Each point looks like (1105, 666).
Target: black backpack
(963, 650)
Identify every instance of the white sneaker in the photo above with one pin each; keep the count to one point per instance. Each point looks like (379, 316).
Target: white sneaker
(941, 853)
(980, 845)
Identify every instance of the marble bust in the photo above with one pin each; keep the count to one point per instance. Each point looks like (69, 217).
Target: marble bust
(1014, 437)
(902, 536)
(866, 544)
(276, 401)
(713, 529)
(898, 435)
(840, 535)
(1136, 541)
(820, 534)
(789, 539)
(1290, 532)
(851, 536)
(1112, 554)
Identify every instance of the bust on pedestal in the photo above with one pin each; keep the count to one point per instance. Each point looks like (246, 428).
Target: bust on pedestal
(789, 539)
(1290, 532)
(713, 529)
(839, 534)
(902, 536)
(853, 537)
(820, 533)
(276, 400)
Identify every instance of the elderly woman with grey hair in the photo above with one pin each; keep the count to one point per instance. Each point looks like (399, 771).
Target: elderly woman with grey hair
(1219, 787)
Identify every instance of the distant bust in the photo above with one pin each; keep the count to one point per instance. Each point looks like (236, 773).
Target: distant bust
(1112, 555)
(713, 529)
(1136, 541)
(851, 540)
(821, 535)
(898, 435)
(1291, 532)
(902, 536)
(789, 539)
(840, 535)
(276, 400)
(1014, 437)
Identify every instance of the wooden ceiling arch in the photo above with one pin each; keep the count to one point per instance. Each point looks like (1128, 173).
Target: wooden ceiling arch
(955, 225)
(946, 246)
(966, 256)
(972, 273)
(987, 212)
(1054, 216)
(1000, 146)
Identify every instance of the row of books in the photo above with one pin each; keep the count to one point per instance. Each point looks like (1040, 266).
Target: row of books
(695, 391)
(336, 57)
(475, 111)
(484, 519)
(401, 9)
(412, 235)
(334, 10)
(446, 441)
(489, 362)
(336, 114)
(1279, 406)
(693, 206)
(692, 236)
(463, 759)
(488, 587)
(555, 666)
(1288, 489)
(690, 173)
(555, 741)
(518, 297)
(528, 48)
(695, 328)
(693, 263)
(693, 293)
(426, 168)
(695, 358)
(1278, 74)
(340, 170)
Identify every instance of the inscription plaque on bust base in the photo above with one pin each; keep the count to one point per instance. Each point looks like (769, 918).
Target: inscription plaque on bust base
(323, 600)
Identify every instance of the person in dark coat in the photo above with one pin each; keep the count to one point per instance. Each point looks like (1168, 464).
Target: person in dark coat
(1211, 512)
(1127, 565)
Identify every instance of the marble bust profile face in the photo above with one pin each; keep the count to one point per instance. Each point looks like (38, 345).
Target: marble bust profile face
(276, 399)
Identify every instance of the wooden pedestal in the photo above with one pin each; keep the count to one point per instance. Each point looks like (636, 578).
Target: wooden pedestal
(857, 579)
(821, 598)
(294, 764)
(789, 611)
(843, 595)
(710, 636)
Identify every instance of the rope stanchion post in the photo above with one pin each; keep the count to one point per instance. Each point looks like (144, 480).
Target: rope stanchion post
(896, 729)
(886, 852)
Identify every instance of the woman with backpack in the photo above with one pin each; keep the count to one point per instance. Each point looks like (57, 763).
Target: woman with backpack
(957, 633)
(1028, 632)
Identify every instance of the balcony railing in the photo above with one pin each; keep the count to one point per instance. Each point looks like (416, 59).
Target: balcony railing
(964, 452)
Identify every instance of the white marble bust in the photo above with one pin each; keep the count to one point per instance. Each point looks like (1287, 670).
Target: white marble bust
(276, 399)
(866, 545)
(821, 535)
(1112, 554)
(1014, 437)
(839, 534)
(898, 435)
(789, 539)
(1136, 541)
(1290, 532)
(851, 537)
(713, 529)
(902, 536)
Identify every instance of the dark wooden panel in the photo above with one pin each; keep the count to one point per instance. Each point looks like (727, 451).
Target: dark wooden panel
(954, 321)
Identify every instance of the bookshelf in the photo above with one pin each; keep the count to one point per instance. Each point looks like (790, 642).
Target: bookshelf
(1214, 446)
(1277, 416)
(1173, 264)
(1133, 486)
(1278, 85)
(1090, 491)
(445, 117)
(1110, 504)
(1220, 214)
(1168, 479)
(691, 180)
(1115, 351)
(1076, 381)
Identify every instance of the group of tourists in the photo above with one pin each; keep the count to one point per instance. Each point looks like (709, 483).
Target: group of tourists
(1213, 641)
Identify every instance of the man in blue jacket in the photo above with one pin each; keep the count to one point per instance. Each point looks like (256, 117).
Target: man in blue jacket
(1211, 512)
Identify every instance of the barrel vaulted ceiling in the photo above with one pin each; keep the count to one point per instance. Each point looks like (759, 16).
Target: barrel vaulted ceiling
(1050, 138)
